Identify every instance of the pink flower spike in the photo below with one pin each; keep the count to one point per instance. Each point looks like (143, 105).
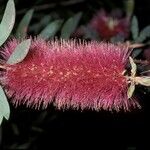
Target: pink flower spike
(69, 74)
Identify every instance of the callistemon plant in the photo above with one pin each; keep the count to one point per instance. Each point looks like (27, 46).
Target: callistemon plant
(70, 74)
(110, 25)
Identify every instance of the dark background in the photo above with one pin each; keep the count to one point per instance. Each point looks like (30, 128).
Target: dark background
(52, 128)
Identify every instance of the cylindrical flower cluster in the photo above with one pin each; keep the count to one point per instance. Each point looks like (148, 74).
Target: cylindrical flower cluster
(69, 74)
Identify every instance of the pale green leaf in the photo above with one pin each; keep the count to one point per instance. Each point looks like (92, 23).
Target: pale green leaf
(1, 119)
(4, 106)
(20, 52)
(134, 28)
(131, 90)
(23, 25)
(145, 33)
(51, 29)
(7, 22)
(70, 25)
(133, 67)
(143, 80)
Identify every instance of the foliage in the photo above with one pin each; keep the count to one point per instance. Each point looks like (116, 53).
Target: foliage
(6, 26)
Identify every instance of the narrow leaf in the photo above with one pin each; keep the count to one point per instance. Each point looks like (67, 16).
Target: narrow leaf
(23, 25)
(129, 6)
(136, 52)
(4, 106)
(145, 33)
(7, 22)
(37, 27)
(143, 80)
(131, 90)
(116, 39)
(51, 29)
(133, 67)
(70, 25)
(1, 119)
(20, 52)
(134, 28)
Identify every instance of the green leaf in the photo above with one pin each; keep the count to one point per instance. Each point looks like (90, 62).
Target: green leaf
(145, 33)
(116, 39)
(134, 28)
(51, 29)
(131, 90)
(1, 119)
(7, 22)
(133, 67)
(36, 27)
(70, 25)
(20, 52)
(129, 6)
(136, 52)
(4, 106)
(23, 25)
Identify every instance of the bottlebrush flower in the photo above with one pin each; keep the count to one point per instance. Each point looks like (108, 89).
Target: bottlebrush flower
(68, 74)
(110, 25)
